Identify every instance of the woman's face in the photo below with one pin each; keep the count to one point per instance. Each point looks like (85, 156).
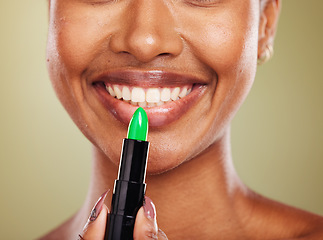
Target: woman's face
(153, 49)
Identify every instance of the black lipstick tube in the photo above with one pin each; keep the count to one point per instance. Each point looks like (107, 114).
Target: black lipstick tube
(129, 190)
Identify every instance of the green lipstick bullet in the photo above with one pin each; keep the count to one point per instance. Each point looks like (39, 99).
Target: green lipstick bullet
(138, 127)
(129, 188)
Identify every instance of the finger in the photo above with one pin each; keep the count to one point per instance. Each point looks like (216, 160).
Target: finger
(146, 223)
(145, 228)
(95, 226)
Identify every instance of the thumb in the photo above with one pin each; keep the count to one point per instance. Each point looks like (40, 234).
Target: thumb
(94, 229)
(146, 223)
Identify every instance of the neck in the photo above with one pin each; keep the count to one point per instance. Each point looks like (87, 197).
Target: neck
(204, 189)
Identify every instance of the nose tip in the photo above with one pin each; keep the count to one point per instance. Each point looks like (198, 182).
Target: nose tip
(147, 32)
(146, 46)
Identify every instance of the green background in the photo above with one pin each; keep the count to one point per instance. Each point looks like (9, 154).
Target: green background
(277, 135)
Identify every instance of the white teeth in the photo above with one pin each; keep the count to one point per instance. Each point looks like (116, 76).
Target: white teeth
(142, 104)
(183, 93)
(159, 103)
(165, 95)
(175, 93)
(152, 95)
(134, 103)
(126, 95)
(137, 95)
(117, 92)
(110, 90)
(150, 104)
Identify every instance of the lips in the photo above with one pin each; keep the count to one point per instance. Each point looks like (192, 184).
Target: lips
(147, 97)
(165, 96)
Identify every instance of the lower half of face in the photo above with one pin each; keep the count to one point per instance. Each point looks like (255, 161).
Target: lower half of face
(190, 64)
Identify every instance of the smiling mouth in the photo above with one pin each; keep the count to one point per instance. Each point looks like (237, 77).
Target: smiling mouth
(148, 97)
(166, 96)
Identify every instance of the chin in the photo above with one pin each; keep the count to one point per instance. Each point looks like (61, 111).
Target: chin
(159, 167)
(160, 162)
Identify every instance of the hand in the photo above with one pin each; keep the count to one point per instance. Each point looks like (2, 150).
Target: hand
(145, 226)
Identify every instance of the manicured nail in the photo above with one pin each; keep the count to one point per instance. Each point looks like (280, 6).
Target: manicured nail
(98, 207)
(149, 208)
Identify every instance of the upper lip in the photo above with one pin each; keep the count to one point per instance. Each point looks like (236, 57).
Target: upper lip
(148, 78)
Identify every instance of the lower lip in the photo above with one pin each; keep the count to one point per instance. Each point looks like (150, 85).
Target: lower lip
(157, 116)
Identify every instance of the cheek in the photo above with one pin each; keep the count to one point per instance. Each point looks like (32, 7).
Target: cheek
(76, 37)
(227, 43)
(73, 41)
(78, 34)
(73, 46)
(233, 57)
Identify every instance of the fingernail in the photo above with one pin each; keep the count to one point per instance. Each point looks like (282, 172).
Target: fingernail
(149, 208)
(98, 207)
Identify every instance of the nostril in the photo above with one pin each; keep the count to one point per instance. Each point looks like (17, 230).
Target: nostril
(124, 52)
(164, 54)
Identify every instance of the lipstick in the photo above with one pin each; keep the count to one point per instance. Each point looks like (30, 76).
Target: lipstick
(129, 188)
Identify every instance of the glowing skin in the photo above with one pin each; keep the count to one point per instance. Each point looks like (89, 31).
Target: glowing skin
(88, 38)
(210, 47)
